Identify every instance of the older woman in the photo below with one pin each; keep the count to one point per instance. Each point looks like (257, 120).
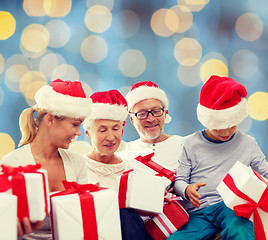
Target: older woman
(105, 129)
(61, 108)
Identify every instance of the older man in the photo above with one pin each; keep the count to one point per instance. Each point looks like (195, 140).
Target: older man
(148, 109)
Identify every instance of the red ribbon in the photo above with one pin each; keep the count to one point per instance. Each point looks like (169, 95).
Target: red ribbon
(163, 172)
(18, 185)
(87, 206)
(247, 209)
(122, 192)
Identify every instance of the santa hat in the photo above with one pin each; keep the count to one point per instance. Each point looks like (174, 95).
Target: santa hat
(107, 105)
(63, 98)
(223, 103)
(146, 90)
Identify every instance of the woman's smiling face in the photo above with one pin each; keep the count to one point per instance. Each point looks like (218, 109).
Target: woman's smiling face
(105, 136)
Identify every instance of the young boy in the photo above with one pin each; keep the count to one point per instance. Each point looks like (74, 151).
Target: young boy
(208, 155)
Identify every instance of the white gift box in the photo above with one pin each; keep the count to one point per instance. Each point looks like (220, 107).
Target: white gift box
(141, 191)
(31, 188)
(67, 217)
(8, 216)
(249, 183)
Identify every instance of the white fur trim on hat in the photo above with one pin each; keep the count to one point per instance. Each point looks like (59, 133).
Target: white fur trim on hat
(145, 92)
(222, 119)
(62, 105)
(106, 111)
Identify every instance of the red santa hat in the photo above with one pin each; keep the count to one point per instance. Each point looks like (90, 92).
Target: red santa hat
(64, 98)
(146, 90)
(223, 103)
(107, 105)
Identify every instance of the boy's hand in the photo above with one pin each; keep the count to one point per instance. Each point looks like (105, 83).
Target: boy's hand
(191, 192)
(26, 227)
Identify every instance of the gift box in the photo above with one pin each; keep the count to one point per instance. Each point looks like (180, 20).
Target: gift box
(141, 191)
(30, 185)
(246, 192)
(8, 216)
(161, 226)
(85, 212)
(147, 165)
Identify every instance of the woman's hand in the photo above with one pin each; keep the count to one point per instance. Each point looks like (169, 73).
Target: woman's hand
(191, 192)
(26, 227)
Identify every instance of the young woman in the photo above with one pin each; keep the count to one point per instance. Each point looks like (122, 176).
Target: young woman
(60, 109)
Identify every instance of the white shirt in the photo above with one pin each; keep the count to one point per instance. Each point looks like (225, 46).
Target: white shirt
(166, 153)
(103, 173)
(74, 164)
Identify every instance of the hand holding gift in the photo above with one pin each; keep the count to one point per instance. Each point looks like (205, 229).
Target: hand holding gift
(246, 192)
(29, 184)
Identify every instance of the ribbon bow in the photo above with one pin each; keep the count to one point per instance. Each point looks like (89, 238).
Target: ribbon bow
(11, 171)
(18, 185)
(74, 187)
(247, 209)
(87, 206)
(147, 160)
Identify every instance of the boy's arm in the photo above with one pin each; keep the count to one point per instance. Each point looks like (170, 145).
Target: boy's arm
(182, 174)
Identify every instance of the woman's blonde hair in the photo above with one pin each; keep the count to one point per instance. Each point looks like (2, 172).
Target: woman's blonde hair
(28, 125)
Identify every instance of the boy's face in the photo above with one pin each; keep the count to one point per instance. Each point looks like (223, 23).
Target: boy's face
(221, 134)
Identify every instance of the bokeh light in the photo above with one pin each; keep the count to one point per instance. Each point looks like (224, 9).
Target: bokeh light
(31, 86)
(49, 62)
(244, 63)
(107, 44)
(188, 51)
(59, 33)
(184, 18)
(7, 144)
(7, 26)
(57, 8)
(249, 27)
(193, 5)
(13, 76)
(132, 63)
(2, 63)
(34, 8)
(94, 49)
(98, 18)
(158, 22)
(35, 38)
(258, 106)
(107, 3)
(65, 72)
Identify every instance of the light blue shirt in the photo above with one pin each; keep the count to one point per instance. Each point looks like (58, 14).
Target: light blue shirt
(205, 160)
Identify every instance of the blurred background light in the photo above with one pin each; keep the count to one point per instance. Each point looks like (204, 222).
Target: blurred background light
(7, 26)
(249, 27)
(57, 8)
(132, 63)
(107, 44)
(98, 18)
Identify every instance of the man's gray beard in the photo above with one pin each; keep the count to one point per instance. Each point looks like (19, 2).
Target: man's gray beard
(148, 137)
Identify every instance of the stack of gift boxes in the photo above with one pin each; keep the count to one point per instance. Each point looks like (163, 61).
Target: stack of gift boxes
(142, 188)
(88, 211)
(24, 193)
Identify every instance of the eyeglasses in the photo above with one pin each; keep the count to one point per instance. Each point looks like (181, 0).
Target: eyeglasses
(157, 112)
